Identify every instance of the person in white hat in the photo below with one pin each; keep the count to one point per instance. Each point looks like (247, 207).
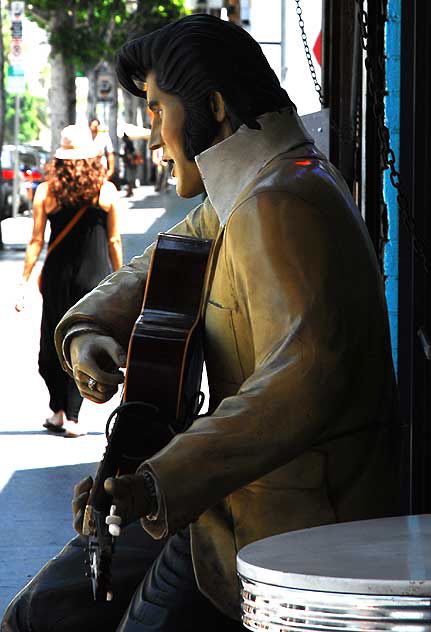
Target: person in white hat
(84, 247)
(103, 143)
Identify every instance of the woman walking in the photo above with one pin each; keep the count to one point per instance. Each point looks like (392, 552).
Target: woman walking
(81, 207)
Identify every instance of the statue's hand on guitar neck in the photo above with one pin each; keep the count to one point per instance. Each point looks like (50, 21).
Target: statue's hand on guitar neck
(96, 360)
(130, 495)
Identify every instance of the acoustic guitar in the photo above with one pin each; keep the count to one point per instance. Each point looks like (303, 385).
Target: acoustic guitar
(161, 395)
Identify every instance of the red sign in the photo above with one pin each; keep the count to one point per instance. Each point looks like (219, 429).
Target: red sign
(16, 48)
(317, 49)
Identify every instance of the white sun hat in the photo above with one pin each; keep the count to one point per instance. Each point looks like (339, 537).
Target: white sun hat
(76, 143)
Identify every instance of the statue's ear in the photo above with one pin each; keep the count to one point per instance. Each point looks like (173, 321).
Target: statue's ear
(218, 107)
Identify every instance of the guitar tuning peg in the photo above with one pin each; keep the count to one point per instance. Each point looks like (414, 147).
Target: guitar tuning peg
(113, 521)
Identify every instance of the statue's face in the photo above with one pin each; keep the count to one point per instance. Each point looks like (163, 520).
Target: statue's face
(167, 131)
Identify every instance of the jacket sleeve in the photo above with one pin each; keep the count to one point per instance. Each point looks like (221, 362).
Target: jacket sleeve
(301, 284)
(115, 304)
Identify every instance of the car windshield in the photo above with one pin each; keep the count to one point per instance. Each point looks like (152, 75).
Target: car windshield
(27, 160)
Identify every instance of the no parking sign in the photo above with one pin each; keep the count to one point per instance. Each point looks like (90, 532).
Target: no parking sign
(15, 76)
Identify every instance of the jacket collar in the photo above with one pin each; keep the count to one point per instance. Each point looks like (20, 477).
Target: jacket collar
(230, 166)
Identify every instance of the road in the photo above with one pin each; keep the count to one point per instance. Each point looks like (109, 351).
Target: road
(37, 470)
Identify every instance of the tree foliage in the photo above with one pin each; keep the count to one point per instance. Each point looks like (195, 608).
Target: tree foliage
(32, 109)
(88, 31)
(83, 33)
(2, 91)
(32, 117)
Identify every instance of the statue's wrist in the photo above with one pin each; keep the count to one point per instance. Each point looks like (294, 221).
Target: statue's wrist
(152, 509)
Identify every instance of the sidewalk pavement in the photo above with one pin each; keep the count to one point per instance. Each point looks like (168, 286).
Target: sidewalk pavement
(37, 470)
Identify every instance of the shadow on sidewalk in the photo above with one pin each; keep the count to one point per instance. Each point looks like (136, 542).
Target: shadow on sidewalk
(37, 518)
(13, 252)
(40, 432)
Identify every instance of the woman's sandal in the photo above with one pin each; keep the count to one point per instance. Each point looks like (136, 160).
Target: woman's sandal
(54, 428)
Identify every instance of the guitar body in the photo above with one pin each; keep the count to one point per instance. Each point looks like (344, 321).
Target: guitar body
(166, 338)
(162, 382)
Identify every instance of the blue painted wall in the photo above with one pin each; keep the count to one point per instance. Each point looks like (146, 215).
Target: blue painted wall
(392, 116)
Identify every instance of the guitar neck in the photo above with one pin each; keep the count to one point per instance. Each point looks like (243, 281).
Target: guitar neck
(165, 360)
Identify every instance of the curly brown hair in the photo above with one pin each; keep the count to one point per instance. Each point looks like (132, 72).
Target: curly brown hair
(75, 182)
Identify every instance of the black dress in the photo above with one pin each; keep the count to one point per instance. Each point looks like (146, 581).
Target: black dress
(75, 266)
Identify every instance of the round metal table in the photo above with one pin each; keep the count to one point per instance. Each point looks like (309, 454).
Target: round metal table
(367, 575)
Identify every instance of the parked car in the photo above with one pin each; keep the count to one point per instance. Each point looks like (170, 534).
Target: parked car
(44, 155)
(6, 188)
(31, 175)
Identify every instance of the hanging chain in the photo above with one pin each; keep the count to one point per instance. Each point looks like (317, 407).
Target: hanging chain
(387, 154)
(420, 247)
(364, 27)
(307, 51)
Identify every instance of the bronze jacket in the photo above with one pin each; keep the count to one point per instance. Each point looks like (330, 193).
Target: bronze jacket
(304, 427)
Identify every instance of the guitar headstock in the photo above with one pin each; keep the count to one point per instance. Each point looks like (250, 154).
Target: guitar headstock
(100, 550)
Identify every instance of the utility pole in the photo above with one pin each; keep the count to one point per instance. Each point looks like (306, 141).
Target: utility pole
(15, 187)
(16, 85)
(2, 116)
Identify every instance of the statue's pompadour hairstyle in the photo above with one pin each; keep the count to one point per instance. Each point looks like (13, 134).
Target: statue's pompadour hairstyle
(194, 57)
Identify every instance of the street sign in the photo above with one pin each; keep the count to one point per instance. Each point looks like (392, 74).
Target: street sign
(105, 88)
(17, 29)
(15, 80)
(17, 13)
(17, 10)
(16, 52)
(15, 85)
(317, 48)
(15, 71)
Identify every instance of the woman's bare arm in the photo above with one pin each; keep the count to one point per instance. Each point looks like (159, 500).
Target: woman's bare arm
(37, 238)
(114, 237)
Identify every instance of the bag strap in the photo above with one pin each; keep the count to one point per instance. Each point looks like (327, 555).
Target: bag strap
(62, 234)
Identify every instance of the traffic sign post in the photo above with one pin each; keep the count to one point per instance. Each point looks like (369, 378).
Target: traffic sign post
(15, 191)
(16, 85)
(105, 88)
